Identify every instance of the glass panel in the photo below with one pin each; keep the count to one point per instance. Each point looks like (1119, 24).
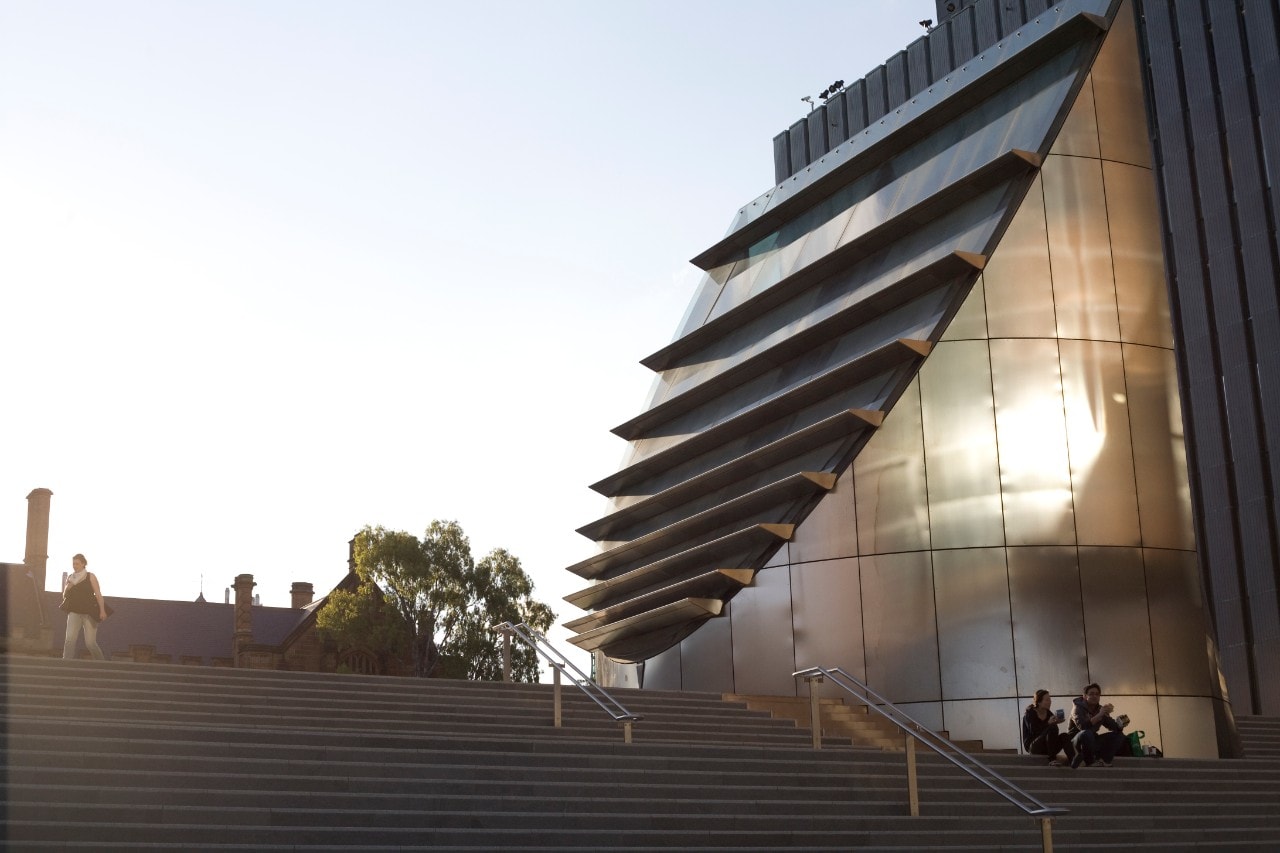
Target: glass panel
(1048, 620)
(830, 530)
(1093, 390)
(1084, 291)
(960, 446)
(1079, 134)
(1117, 92)
(890, 494)
(1164, 494)
(975, 639)
(828, 615)
(1141, 290)
(897, 610)
(1179, 625)
(763, 654)
(1019, 289)
(1117, 627)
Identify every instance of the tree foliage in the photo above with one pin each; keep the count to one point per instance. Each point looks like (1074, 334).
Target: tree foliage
(430, 598)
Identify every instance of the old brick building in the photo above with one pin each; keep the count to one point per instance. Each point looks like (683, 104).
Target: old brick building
(235, 633)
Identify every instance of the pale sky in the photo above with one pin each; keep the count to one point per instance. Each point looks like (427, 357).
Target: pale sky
(273, 270)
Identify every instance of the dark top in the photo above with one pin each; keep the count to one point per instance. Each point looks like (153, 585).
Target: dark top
(1033, 726)
(80, 598)
(1080, 719)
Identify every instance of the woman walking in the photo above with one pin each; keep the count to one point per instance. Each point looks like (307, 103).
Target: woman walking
(82, 601)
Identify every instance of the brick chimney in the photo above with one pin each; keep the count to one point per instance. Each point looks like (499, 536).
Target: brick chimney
(302, 593)
(37, 558)
(244, 615)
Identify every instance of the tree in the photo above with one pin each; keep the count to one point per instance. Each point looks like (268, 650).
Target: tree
(498, 590)
(429, 597)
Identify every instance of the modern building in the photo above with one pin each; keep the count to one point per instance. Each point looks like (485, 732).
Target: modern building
(980, 397)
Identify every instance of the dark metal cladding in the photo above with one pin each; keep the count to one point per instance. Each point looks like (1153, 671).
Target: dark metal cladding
(1211, 73)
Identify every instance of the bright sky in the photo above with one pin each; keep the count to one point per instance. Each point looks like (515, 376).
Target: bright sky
(272, 270)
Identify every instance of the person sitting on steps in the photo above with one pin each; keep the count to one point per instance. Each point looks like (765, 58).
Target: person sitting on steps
(1040, 735)
(1088, 716)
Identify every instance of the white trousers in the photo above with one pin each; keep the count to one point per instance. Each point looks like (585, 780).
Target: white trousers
(75, 623)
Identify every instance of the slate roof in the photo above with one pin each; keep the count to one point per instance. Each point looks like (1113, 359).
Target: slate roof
(176, 628)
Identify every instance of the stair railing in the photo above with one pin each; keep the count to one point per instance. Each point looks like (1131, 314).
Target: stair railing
(913, 732)
(559, 663)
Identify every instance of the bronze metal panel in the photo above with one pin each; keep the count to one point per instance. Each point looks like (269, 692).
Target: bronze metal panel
(763, 650)
(1098, 439)
(1144, 712)
(1084, 291)
(1186, 727)
(1180, 628)
(1048, 620)
(662, 671)
(1134, 221)
(901, 632)
(830, 530)
(1016, 279)
(827, 601)
(1159, 453)
(1116, 624)
(1079, 134)
(890, 492)
(975, 632)
(927, 714)
(970, 322)
(706, 656)
(1035, 471)
(996, 722)
(1117, 94)
(960, 446)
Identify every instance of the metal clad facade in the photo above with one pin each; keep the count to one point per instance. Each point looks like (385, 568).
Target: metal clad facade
(1211, 72)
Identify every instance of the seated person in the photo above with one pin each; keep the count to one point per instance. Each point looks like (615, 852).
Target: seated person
(1040, 735)
(1087, 718)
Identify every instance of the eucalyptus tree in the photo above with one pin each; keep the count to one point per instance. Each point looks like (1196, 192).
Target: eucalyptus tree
(428, 600)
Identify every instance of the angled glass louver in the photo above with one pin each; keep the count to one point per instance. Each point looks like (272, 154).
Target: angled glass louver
(817, 310)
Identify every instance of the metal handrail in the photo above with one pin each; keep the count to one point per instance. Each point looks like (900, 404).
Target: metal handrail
(559, 663)
(916, 731)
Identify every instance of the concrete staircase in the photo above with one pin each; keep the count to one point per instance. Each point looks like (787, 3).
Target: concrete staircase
(123, 756)
(1260, 736)
(838, 719)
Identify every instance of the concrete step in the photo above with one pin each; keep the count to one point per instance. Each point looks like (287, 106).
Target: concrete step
(124, 756)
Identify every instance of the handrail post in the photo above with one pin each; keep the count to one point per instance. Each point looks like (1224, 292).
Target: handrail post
(626, 731)
(913, 789)
(556, 693)
(1046, 834)
(815, 711)
(506, 654)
